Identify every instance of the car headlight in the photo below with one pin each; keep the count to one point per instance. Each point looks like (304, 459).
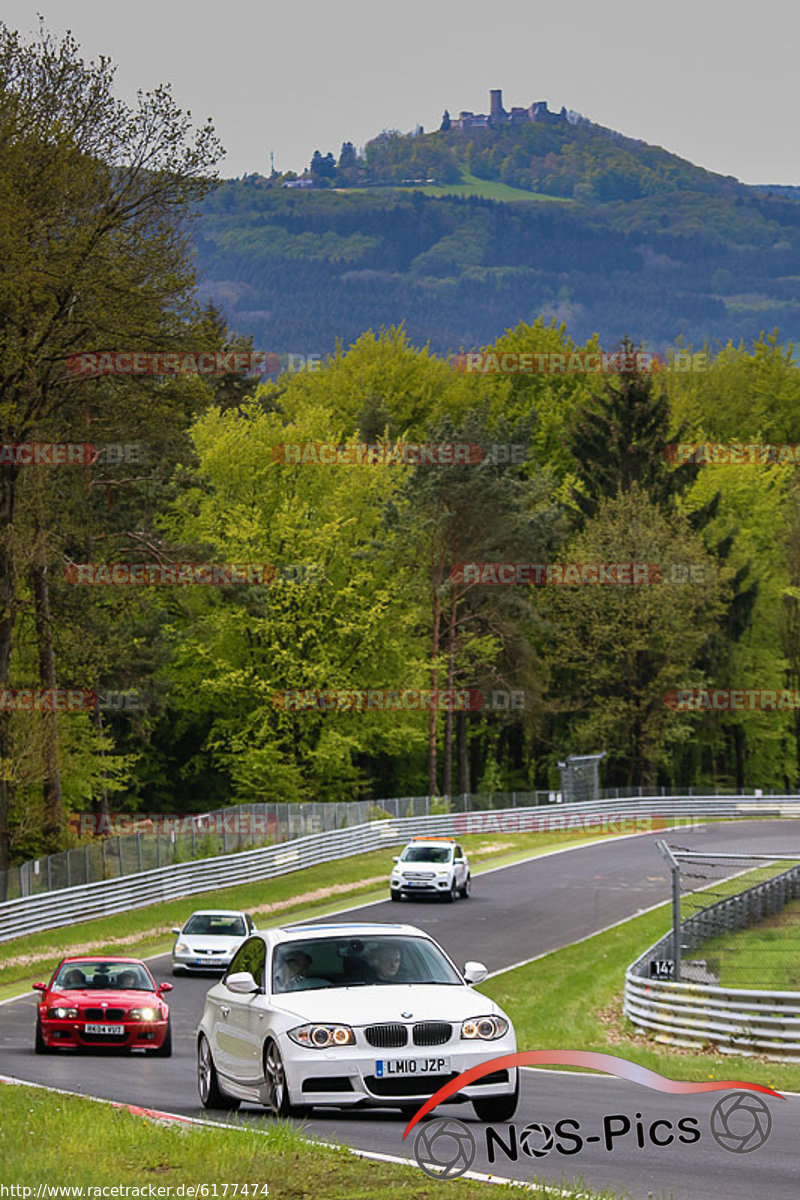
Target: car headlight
(320, 1037)
(145, 1014)
(182, 948)
(485, 1029)
(64, 1013)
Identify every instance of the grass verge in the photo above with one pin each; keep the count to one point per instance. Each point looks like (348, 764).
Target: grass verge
(765, 956)
(572, 999)
(312, 892)
(53, 1139)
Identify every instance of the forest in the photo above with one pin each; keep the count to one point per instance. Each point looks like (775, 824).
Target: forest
(181, 572)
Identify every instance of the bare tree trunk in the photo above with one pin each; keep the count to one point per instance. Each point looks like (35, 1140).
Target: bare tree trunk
(432, 786)
(8, 612)
(448, 721)
(53, 822)
(101, 806)
(464, 785)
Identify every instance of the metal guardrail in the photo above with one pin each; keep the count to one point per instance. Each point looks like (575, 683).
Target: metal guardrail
(743, 1021)
(246, 826)
(66, 906)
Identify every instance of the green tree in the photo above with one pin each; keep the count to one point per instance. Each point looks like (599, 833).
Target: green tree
(94, 257)
(615, 651)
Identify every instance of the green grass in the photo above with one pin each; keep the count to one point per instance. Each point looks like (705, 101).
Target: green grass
(68, 1140)
(572, 999)
(314, 891)
(471, 185)
(764, 956)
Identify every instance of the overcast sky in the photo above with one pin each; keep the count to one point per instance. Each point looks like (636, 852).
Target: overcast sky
(716, 84)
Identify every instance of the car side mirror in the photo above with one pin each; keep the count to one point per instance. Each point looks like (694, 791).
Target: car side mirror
(396, 858)
(175, 930)
(164, 987)
(39, 987)
(474, 972)
(242, 982)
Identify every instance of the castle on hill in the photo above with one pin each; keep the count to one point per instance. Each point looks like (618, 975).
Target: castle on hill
(497, 115)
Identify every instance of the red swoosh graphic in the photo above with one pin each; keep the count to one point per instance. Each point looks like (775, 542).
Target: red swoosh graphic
(609, 1063)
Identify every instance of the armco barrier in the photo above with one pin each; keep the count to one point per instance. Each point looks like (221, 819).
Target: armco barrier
(742, 1021)
(32, 914)
(130, 843)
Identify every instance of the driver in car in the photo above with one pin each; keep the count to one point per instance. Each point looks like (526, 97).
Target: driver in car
(385, 961)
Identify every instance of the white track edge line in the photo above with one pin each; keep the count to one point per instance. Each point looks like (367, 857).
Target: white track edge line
(160, 1116)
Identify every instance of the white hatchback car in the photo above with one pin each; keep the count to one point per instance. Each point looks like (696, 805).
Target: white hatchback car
(209, 940)
(350, 1015)
(431, 866)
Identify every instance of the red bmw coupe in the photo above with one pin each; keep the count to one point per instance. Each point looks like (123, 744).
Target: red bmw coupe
(92, 1002)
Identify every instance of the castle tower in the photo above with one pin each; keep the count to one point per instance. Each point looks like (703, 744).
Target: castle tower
(496, 103)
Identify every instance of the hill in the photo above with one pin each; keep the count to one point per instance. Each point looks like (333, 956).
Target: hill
(561, 219)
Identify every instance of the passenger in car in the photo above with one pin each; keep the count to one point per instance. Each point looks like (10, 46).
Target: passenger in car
(295, 969)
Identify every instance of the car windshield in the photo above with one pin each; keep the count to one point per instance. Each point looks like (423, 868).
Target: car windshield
(116, 976)
(215, 925)
(338, 962)
(431, 854)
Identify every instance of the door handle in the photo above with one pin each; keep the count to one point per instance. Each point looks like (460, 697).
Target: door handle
(225, 1010)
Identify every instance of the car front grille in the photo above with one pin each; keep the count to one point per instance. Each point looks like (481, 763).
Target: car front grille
(424, 1085)
(103, 1014)
(432, 1033)
(419, 874)
(386, 1036)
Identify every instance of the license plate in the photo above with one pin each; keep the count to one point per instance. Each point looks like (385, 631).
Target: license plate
(110, 1029)
(389, 1067)
(416, 883)
(201, 962)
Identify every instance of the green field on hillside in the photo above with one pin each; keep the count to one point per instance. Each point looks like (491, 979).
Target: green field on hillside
(471, 185)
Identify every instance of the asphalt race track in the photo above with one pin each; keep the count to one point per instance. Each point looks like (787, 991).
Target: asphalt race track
(514, 914)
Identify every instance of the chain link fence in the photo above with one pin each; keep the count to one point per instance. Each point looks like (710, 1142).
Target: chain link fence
(735, 919)
(249, 826)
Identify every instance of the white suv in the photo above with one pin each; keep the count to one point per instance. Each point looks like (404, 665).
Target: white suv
(431, 866)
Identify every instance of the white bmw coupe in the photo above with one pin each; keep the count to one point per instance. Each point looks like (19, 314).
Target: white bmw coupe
(347, 1015)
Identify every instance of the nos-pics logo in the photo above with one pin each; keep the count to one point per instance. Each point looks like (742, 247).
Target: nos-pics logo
(445, 1148)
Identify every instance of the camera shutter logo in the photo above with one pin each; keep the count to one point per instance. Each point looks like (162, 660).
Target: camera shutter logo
(740, 1122)
(444, 1148)
(533, 1134)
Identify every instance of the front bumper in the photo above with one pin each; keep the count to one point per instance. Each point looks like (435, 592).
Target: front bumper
(66, 1034)
(347, 1076)
(421, 887)
(202, 962)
